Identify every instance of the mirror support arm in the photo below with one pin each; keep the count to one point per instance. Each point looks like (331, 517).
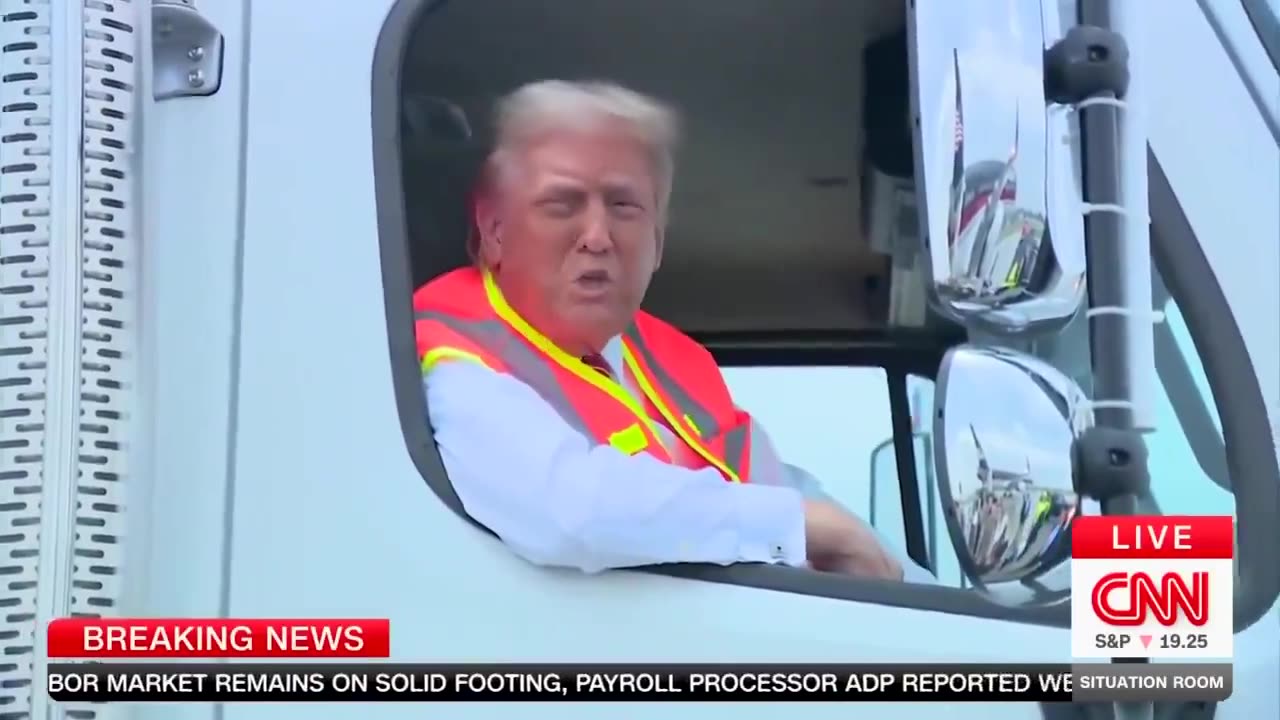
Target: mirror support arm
(1106, 237)
(1109, 251)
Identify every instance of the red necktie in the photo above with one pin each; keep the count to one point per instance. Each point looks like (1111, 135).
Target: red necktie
(597, 362)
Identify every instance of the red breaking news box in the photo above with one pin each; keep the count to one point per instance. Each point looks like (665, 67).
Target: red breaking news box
(219, 638)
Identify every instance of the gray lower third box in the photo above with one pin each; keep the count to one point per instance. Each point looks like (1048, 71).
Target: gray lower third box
(1151, 681)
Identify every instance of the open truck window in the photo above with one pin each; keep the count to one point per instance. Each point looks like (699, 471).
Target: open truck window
(768, 261)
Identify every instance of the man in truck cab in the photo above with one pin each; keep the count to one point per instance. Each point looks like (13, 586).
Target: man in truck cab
(581, 430)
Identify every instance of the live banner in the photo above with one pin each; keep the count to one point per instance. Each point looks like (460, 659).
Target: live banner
(394, 682)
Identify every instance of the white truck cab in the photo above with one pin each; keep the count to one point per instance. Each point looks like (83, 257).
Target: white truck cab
(213, 214)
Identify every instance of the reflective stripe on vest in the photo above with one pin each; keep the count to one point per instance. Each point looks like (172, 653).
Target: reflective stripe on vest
(696, 417)
(496, 336)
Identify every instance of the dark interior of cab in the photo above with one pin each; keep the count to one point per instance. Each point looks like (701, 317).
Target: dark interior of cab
(767, 230)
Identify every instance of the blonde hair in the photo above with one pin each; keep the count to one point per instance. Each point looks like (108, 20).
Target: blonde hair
(538, 107)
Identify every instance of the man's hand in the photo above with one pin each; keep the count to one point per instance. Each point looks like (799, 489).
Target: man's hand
(839, 542)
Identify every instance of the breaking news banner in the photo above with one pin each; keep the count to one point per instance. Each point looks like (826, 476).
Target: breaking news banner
(163, 638)
(1152, 587)
(386, 682)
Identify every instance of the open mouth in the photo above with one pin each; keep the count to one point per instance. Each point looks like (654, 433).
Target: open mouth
(594, 280)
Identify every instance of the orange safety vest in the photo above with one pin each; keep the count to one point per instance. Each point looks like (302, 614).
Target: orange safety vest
(462, 315)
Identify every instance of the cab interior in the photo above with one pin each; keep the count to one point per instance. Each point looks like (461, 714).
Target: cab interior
(767, 231)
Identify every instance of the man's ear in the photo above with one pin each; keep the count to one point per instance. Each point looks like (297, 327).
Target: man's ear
(660, 237)
(488, 223)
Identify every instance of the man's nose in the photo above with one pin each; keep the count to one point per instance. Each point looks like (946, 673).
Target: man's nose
(596, 236)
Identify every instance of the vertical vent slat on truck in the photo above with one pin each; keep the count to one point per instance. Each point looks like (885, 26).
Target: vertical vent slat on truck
(72, 567)
(25, 144)
(107, 315)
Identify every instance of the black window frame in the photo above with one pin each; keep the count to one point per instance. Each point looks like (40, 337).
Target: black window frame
(1209, 320)
(1266, 25)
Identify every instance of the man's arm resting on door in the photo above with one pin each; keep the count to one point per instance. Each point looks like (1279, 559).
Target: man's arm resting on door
(556, 499)
(767, 467)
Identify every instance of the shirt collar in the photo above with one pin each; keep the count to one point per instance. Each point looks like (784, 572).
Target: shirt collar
(612, 354)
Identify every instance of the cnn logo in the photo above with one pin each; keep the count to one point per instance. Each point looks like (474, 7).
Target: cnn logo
(1129, 599)
(1156, 586)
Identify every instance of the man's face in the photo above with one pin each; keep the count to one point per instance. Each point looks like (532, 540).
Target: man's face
(573, 234)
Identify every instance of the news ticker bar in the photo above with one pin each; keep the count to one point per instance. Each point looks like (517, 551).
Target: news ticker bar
(397, 682)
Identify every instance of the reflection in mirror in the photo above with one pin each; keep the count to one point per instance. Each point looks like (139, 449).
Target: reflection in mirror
(1004, 425)
(1002, 206)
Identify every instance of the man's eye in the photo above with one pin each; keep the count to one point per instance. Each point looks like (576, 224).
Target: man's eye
(557, 205)
(627, 207)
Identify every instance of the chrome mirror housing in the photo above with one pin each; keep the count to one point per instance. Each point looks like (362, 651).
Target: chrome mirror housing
(1001, 205)
(1005, 424)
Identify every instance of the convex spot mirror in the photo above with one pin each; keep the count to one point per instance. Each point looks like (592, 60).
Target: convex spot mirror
(1004, 427)
(1001, 205)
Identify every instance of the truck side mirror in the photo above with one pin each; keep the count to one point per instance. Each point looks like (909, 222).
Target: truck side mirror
(1004, 469)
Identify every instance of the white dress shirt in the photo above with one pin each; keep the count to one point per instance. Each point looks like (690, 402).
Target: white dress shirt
(557, 499)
